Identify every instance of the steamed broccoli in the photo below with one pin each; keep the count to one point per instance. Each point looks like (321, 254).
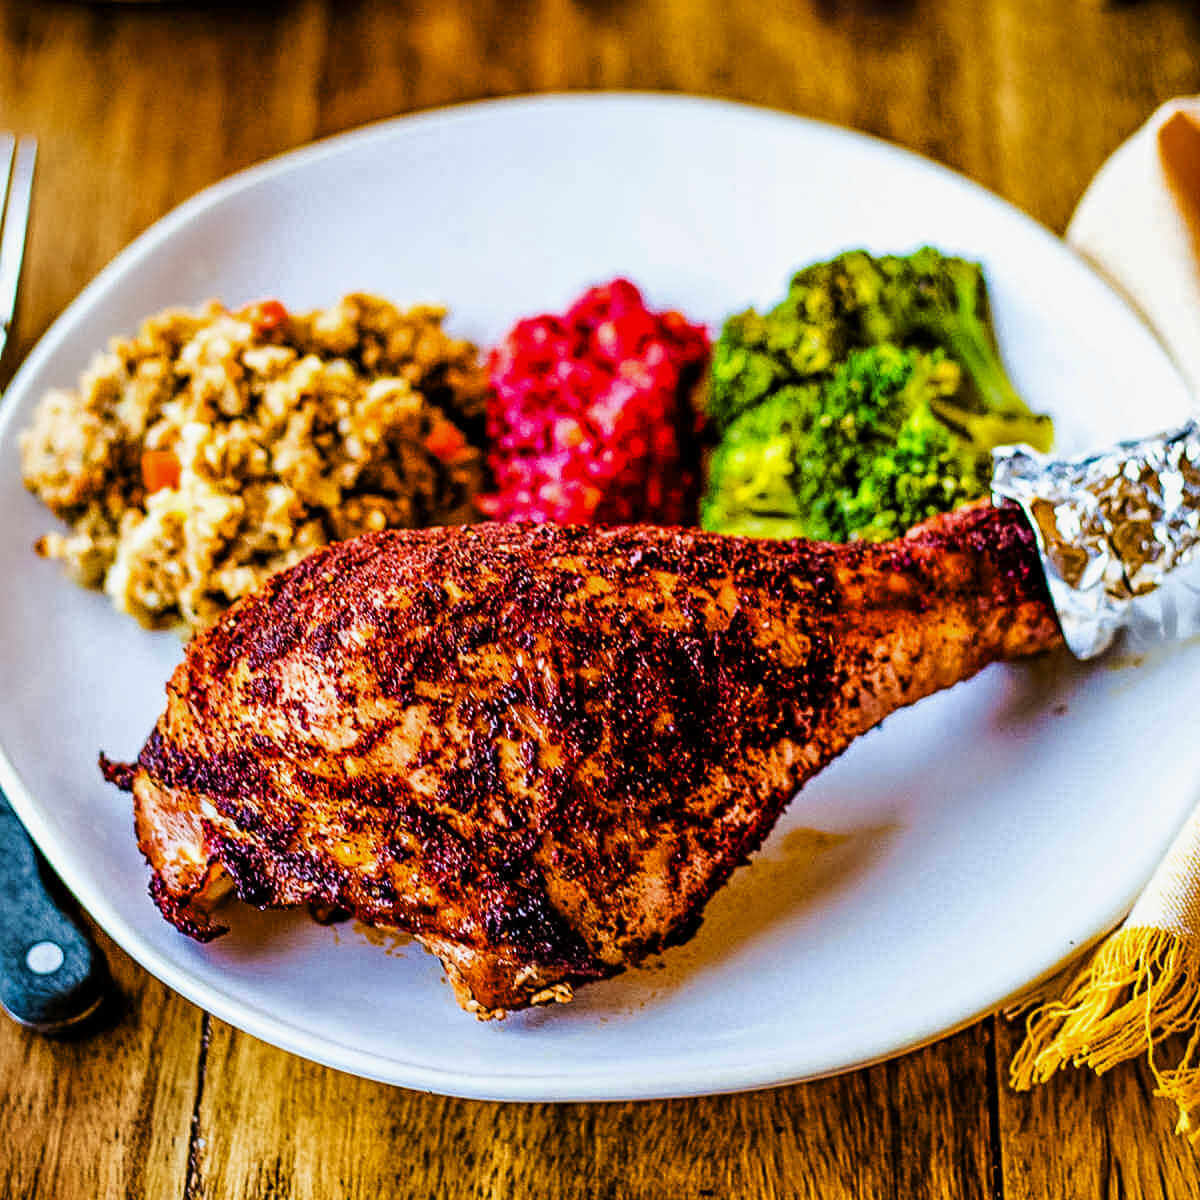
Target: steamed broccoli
(753, 474)
(859, 455)
(867, 400)
(926, 299)
(930, 299)
(805, 337)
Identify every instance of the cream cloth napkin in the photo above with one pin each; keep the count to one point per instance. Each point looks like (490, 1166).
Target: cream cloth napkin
(1139, 225)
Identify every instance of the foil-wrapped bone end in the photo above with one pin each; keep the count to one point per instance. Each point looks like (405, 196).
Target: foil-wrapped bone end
(1118, 533)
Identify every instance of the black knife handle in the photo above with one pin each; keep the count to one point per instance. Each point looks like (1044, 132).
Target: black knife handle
(51, 972)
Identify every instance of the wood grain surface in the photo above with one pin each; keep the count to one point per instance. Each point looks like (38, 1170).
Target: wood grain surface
(138, 106)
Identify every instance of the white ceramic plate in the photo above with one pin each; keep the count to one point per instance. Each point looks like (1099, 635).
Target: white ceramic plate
(967, 847)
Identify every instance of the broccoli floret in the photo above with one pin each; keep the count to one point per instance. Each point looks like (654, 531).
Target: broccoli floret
(756, 355)
(868, 399)
(859, 455)
(926, 299)
(753, 471)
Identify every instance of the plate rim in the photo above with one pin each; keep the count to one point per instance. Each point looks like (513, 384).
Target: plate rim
(608, 1084)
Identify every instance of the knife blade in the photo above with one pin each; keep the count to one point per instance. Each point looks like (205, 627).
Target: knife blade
(52, 974)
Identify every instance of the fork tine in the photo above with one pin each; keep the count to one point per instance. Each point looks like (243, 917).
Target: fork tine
(14, 222)
(8, 144)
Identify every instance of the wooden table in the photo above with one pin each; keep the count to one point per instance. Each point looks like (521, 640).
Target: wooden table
(137, 107)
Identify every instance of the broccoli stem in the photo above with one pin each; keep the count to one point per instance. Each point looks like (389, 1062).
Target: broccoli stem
(1006, 418)
(965, 331)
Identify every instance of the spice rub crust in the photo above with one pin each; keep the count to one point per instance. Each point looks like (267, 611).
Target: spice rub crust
(541, 749)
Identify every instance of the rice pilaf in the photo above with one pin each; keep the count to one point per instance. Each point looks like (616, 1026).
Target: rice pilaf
(216, 447)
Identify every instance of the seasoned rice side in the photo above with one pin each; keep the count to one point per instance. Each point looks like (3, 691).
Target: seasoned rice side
(215, 447)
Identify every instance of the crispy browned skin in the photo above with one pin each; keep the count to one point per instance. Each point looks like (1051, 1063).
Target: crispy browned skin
(542, 749)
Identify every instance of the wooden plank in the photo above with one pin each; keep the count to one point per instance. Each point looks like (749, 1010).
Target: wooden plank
(1072, 81)
(847, 63)
(130, 123)
(274, 1125)
(1081, 1134)
(107, 1112)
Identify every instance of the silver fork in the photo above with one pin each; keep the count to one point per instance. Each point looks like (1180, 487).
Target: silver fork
(52, 975)
(17, 159)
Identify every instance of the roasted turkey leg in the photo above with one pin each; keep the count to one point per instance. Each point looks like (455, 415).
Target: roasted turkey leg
(542, 749)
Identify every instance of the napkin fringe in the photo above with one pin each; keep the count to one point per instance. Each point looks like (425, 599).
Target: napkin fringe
(1138, 988)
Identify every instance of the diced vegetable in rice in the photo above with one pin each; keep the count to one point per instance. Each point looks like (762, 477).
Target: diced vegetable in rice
(216, 447)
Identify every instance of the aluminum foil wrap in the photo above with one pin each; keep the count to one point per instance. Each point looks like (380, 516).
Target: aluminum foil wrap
(1119, 534)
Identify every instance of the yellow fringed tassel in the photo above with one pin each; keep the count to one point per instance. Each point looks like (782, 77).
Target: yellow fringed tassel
(1141, 986)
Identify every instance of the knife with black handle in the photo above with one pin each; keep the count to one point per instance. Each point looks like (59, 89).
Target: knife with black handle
(52, 975)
